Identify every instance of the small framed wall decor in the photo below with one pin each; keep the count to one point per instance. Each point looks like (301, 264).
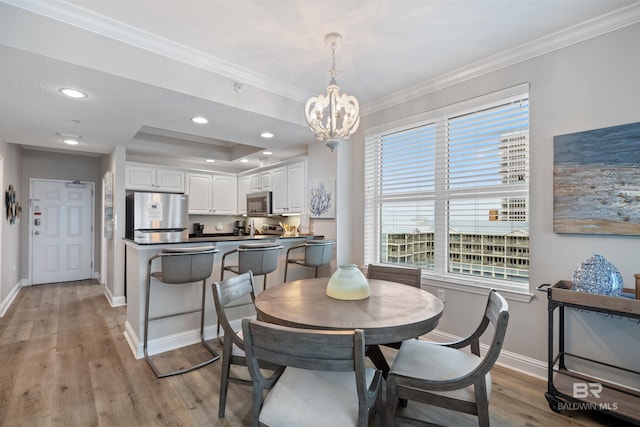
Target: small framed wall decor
(322, 198)
(12, 206)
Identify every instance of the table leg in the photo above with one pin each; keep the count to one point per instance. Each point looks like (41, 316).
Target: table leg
(374, 353)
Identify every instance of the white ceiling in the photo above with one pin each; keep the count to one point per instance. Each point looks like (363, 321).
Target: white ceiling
(148, 66)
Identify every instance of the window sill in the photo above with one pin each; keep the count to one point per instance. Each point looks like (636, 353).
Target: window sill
(475, 287)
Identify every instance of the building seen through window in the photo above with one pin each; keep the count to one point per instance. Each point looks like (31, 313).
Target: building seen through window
(451, 194)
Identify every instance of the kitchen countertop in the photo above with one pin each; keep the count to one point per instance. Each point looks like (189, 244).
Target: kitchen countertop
(221, 237)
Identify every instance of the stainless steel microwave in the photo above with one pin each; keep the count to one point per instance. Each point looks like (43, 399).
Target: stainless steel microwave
(259, 204)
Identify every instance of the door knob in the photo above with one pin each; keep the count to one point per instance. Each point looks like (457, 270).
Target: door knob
(37, 233)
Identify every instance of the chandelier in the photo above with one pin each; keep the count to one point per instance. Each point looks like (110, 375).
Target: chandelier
(332, 117)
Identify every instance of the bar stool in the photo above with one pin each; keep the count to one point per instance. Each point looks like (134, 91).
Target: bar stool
(316, 254)
(259, 258)
(181, 266)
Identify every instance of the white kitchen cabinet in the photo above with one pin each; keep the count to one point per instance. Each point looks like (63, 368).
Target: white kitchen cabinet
(256, 182)
(244, 188)
(225, 195)
(199, 187)
(266, 177)
(289, 188)
(296, 187)
(149, 178)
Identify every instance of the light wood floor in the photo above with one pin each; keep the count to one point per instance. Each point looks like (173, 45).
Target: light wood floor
(64, 361)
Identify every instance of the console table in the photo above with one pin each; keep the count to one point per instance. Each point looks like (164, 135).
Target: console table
(562, 384)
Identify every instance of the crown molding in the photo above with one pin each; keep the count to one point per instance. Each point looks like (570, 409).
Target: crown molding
(90, 21)
(99, 24)
(612, 21)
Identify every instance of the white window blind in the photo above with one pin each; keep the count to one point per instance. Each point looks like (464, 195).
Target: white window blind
(450, 193)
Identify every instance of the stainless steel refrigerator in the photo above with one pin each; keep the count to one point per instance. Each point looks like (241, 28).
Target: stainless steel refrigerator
(157, 217)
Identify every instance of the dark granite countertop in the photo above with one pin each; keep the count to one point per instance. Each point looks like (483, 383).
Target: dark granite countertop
(224, 237)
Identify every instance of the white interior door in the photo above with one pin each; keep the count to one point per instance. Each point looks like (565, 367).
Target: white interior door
(61, 231)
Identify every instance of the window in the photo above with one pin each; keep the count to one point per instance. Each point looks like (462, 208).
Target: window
(449, 192)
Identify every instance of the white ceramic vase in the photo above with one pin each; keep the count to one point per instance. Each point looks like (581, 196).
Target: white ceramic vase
(348, 283)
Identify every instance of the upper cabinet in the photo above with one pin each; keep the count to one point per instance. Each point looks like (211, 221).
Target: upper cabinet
(289, 188)
(225, 195)
(211, 194)
(149, 178)
(200, 191)
(244, 188)
(266, 177)
(219, 193)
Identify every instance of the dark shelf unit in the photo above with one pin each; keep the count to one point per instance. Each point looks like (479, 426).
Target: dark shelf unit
(593, 393)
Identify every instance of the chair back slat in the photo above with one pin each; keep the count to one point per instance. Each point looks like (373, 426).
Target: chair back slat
(306, 350)
(406, 275)
(496, 304)
(233, 288)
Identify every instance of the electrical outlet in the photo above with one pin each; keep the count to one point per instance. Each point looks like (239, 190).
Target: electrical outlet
(441, 295)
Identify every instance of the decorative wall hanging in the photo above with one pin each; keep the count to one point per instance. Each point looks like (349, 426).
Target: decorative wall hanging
(322, 198)
(108, 205)
(12, 205)
(596, 181)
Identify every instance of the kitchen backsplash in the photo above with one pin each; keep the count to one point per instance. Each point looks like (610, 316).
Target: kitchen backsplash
(225, 224)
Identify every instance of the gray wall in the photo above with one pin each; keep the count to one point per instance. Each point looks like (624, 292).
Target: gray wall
(589, 85)
(48, 165)
(10, 260)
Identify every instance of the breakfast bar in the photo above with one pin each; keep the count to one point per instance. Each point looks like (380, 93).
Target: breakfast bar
(168, 334)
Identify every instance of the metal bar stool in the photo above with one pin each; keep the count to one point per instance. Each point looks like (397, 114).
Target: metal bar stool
(316, 254)
(181, 266)
(259, 258)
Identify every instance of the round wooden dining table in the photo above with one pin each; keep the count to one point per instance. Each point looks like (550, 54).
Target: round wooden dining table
(392, 313)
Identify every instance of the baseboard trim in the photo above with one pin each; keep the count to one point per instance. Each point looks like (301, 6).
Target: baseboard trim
(4, 305)
(113, 301)
(168, 343)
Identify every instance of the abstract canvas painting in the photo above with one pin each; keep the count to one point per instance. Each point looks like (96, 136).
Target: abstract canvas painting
(596, 181)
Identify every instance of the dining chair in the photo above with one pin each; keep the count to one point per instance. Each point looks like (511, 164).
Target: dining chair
(445, 375)
(322, 381)
(316, 254)
(180, 267)
(410, 276)
(226, 295)
(394, 273)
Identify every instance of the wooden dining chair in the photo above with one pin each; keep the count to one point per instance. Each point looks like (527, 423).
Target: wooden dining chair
(394, 273)
(410, 276)
(444, 375)
(323, 380)
(226, 295)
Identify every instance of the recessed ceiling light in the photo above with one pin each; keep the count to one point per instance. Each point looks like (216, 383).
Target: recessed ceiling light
(210, 160)
(70, 141)
(73, 93)
(199, 120)
(267, 153)
(244, 161)
(266, 135)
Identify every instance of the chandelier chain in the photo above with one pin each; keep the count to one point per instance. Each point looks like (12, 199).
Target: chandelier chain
(333, 73)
